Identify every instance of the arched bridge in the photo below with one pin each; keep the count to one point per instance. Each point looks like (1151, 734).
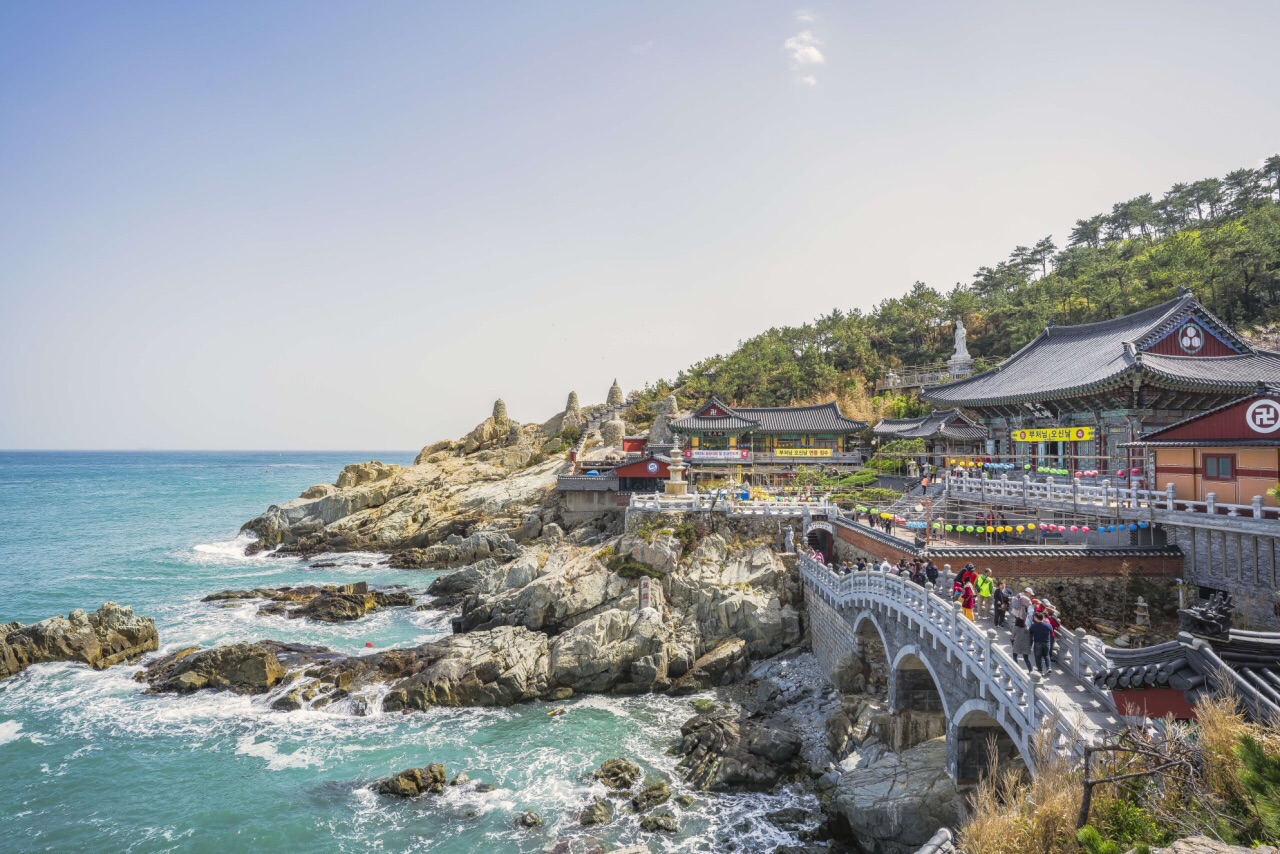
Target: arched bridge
(940, 661)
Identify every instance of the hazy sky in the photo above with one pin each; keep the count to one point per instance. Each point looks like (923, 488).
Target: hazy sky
(353, 225)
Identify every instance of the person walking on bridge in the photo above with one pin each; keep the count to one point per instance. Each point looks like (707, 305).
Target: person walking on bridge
(1041, 636)
(967, 597)
(1000, 599)
(984, 587)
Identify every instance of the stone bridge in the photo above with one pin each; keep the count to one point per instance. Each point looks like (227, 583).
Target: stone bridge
(938, 661)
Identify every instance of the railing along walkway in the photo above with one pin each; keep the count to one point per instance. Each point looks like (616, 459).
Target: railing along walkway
(733, 507)
(1108, 499)
(1078, 710)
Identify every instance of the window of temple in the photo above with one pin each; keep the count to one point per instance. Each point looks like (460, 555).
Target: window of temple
(1219, 466)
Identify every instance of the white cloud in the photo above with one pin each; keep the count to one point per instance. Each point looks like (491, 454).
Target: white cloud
(809, 80)
(803, 48)
(804, 16)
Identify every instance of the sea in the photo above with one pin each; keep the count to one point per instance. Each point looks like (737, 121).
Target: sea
(90, 762)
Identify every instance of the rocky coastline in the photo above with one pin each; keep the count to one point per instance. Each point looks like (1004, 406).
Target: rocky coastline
(547, 610)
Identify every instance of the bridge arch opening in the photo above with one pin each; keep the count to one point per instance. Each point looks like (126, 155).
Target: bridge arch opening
(981, 739)
(822, 541)
(866, 671)
(919, 710)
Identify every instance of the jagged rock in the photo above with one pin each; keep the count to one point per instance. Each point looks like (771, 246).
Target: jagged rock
(618, 774)
(650, 796)
(243, 668)
(458, 551)
(612, 431)
(599, 811)
(496, 668)
(330, 604)
(413, 782)
(108, 636)
(461, 780)
(568, 587)
(893, 802)
(530, 818)
(359, 474)
(724, 664)
(662, 820)
(320, 490)
(721, 751)
(485, 788)
(615, 650)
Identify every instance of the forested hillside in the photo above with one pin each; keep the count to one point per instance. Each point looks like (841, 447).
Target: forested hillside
(1218, 236)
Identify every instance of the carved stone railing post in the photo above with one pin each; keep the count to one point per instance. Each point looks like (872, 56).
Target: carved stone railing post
(1257, 506)
(1211, 503)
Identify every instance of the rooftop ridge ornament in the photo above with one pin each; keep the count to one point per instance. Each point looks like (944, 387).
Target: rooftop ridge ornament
(1212, 620)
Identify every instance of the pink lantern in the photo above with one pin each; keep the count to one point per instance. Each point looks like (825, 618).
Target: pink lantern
(1119, 472)
(1075, 529)
(1135, 471)
(1079, 474)
(1085, 529)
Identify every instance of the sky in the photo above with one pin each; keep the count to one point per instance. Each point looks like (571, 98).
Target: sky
(334, 225)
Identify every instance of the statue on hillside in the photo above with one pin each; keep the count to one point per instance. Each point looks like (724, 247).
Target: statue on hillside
(615, 395)
(572, 405)
(500, 411)
(962, 350)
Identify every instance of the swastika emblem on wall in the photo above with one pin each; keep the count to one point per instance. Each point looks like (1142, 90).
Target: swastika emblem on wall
(1190, 338)
(1263, 416)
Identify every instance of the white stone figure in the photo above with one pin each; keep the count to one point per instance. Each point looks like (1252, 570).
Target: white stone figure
(962, 350)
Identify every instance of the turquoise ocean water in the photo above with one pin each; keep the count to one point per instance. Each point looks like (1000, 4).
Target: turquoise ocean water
(88, 762)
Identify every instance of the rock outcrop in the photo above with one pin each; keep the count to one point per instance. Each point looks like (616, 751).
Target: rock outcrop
(108, 636)
(329, 604)
(242, 668)
(618, 774)
(413, 782)
(892, 803)
(722, 751)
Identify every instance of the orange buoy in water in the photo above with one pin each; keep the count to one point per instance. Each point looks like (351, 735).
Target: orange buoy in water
(368, 643)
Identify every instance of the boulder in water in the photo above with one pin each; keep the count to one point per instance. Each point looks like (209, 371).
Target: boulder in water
(650, 796)
(413, 782)
(599, 811)
(662, 820)
(618, 774)
(244, 668)
(108, 636)
(722, 752)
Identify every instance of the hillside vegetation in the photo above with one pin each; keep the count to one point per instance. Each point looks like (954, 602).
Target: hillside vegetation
(1218, 236)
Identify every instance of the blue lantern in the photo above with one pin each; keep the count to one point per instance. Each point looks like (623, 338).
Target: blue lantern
(1133, 527)
(1144, 524)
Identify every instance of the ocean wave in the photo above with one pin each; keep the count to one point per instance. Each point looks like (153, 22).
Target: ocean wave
(276, 761)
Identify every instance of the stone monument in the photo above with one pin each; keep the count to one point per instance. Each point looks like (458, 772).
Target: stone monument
(676, 485)
(961, 363)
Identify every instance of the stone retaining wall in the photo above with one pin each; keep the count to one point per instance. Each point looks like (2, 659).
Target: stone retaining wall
(1245, 565)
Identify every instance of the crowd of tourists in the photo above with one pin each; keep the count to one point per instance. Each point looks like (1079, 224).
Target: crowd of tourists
(1033, 622)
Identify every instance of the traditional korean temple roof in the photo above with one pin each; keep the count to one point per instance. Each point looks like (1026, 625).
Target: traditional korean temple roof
(716, 415)
(1197, 665)
(1177, 344)
(1221, 426)
(944, 424)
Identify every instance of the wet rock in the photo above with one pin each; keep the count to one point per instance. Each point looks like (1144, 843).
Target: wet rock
(893, 802)
(530, 818)
(484, 788)
(329, 604)
(618, 774)
(722, 751)
(461, 780)
(413, 782)
(243, 668)
(662, 820)
(599, 811)
(723, 665)
(650, 796)
(108, 636)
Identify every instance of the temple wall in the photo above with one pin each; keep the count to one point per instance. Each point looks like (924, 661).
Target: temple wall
(1245, 565)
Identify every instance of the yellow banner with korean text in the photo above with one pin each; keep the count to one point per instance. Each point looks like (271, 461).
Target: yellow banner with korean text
(802, 452)
(1054, 434)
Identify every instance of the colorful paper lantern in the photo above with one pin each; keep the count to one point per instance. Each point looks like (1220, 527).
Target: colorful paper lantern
(1133, 527)
(1075, 529)
(1031, 526)
(950, 527)
(1020, 529)
(1144, 524)
(1085, 528)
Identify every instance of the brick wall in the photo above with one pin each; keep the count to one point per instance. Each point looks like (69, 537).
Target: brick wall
(830, 636)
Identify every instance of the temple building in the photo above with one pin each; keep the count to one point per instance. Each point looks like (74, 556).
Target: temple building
(718, 433)
(947, 434)
(1078, 397)
(1231, 452)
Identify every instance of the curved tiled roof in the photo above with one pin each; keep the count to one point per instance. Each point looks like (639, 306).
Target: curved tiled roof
(1068, 361)
(934, 424)
(819, 418)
